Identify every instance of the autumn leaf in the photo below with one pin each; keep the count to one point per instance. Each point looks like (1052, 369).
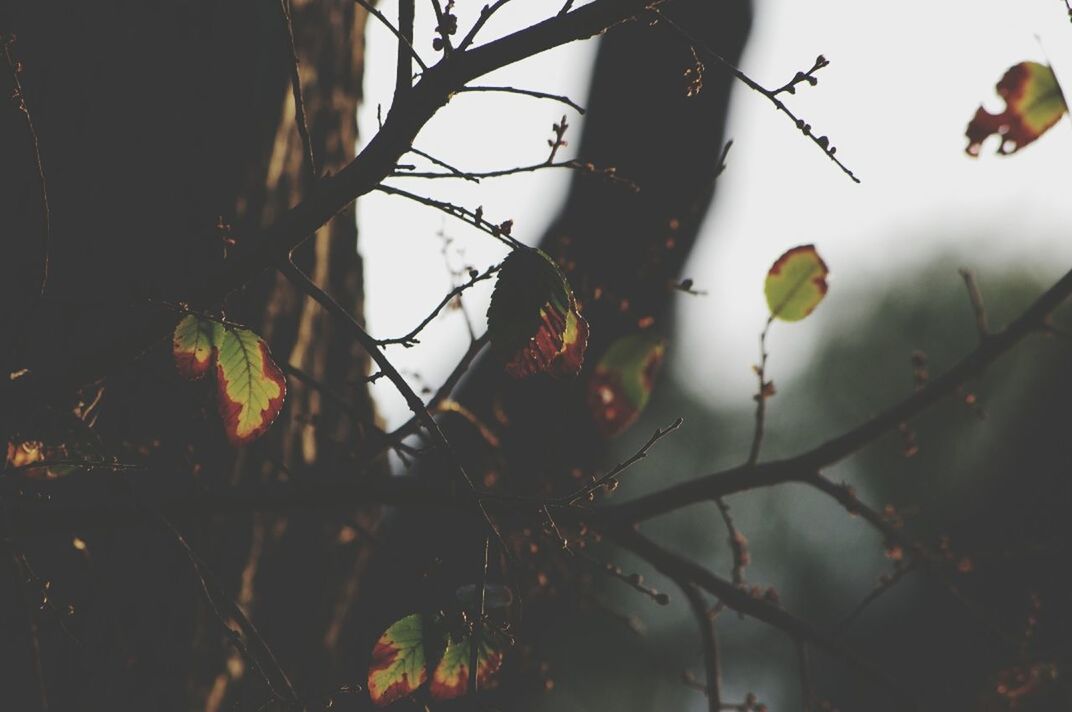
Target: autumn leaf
(622, 381)
(250, 386)
(397, 667)
(192, 347)
(534, 321)
(1033, 103)
(451, 676)
(796, 283)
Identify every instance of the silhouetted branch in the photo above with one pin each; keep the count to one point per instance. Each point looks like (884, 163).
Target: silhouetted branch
(524, 92)
(676, 567)
(771, 94)
(296, 90)
(14, 67)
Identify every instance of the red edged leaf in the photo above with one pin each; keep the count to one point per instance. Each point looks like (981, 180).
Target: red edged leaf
(1033, 104)
(250, 386)
(397, 667)
(451, 676)
(191, 345)
(796, 283)
(534, 320)
(622, 381)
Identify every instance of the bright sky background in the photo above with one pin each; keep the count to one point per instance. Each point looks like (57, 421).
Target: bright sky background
(904, 80)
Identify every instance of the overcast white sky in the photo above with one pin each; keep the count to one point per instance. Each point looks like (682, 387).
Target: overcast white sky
(904, 80)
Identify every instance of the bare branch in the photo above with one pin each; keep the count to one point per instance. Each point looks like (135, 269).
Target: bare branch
(411, 338)
(771, 94)
(677, 568)
(296, 90)
(395, 31)
(14, 67)
(525, 92)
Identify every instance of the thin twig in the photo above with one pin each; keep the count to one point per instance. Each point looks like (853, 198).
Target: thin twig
(737, 542)
(524, 92)
(14, 67)
(441, 28)
(978, 307)
(583, 492)
(410, 338)
(678, 568)
(772, 95)
(454, 172)
(207, 580)
(485, 13)
(473, 217)
(302, 281)
(296, 90)
(394, 30)
(478, 623)
(710, 644)
(762, 394)
(582, 167)
(886, 584)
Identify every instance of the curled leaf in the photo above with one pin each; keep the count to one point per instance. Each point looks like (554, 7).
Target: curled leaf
(451, 676)
(622, 381)
(397, 668)
(1033, 103)
(191, 345)
(250, 385)
(796, 283)
(534, 321)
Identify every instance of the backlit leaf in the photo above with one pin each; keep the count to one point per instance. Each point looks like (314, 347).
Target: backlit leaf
(621, 383)
(251, 388)
(796, 283)
(192, 347)
(534, 321)
(451, 676)
(1033, 103)
(397, 667)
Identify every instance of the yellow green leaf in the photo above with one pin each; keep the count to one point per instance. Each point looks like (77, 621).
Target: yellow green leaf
(796, 283)
(451, 676)
(397, 667)
(251, 388)
(192, 347)
(1033, 104)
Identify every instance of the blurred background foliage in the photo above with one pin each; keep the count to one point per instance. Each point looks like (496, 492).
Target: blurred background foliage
(991, 478)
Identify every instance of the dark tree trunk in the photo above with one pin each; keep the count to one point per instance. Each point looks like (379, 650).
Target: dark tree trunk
(165, 128)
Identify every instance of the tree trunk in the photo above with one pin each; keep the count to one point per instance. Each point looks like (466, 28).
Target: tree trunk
(166, 129)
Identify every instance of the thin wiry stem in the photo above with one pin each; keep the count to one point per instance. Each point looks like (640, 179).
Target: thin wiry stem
(46, 219)
(609, 174)
(709, 640)
(302, 281)
(772, 95)
(395, 31)
(524, 92)
(473, 217)
(296, 89)
(411, 338)
(485, 14)
(761, 395)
